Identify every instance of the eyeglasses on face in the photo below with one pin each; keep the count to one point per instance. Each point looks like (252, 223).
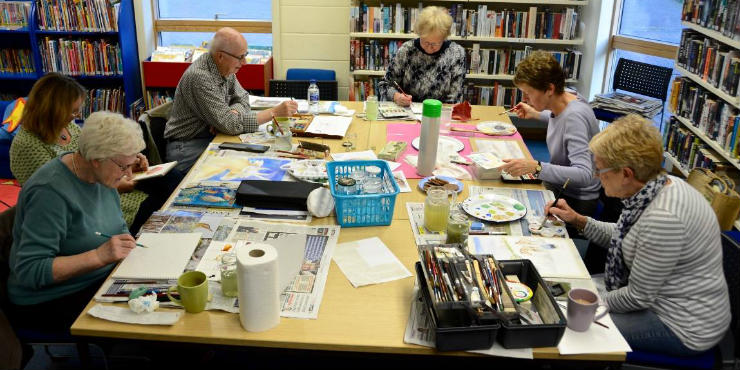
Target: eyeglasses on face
(431, 44)
(122, 167)
(599, 172)
(237, 57)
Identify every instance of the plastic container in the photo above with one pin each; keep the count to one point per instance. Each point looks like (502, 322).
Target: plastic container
(452, 323)
(515, 335)
(313, 98)
(363, 209)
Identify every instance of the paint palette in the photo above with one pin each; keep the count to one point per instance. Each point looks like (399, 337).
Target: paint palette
(494, 207)
(496, 128)
(393, 112)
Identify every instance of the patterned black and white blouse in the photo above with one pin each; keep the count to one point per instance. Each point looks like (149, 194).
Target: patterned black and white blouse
(426, 76)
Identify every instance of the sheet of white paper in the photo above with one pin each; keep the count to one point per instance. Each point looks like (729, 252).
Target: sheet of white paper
(368, 261)
(165, 257)
(351, 156)
(596, 339)
(329, 125)
(403, 183)
(212, 258)
(125, 315)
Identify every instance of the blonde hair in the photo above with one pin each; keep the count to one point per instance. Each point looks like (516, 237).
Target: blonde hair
(107, 134)
(433, 20)
(49, 106)
(539, 70)
(630, 142)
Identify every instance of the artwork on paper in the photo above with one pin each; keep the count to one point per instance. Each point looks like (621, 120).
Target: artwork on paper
(237, 168)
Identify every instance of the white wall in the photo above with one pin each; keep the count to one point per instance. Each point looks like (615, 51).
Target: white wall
(145, 36)
(596, 18)
(312, 34)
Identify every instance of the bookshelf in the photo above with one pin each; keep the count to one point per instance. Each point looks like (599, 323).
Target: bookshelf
(39, 36)
(676, 164)
(536, 23)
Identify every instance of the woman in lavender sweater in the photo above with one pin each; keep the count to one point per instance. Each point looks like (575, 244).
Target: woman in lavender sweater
(571, 125)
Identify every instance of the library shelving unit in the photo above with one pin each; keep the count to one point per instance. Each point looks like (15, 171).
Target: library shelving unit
(164, 76)
(30, 38)
(472, 41)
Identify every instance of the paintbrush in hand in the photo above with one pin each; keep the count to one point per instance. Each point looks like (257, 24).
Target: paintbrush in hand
(557, 198)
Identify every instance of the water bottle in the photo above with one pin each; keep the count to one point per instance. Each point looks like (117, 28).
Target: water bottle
(429, 137)
(313, 98)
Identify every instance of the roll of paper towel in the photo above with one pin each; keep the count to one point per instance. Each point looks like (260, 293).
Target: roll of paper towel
(259, 292)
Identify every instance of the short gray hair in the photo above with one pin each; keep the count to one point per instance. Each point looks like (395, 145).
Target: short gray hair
(107, 134)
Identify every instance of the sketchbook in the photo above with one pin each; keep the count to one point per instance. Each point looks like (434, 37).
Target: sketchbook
(165, 257)
(155, 171)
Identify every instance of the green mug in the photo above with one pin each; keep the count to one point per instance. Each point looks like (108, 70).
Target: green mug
(193, 289)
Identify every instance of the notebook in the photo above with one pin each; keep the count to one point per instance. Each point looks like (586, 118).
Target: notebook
(164, 258)
(155, 171)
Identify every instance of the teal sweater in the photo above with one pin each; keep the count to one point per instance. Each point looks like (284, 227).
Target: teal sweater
(57, 215)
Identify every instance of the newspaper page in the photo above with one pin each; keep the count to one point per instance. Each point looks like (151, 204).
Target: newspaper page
(534, 200)
(303, 296)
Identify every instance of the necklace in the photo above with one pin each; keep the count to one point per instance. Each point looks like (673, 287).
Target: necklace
(74, 165)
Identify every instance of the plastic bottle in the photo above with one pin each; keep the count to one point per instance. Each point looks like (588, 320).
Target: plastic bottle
(313, 98)
(429, 137)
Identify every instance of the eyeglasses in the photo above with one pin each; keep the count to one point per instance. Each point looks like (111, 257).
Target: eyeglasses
(431, 44)
(122, 167)
(237, 57)
(599, 172)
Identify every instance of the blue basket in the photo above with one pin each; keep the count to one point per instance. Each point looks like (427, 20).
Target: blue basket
(363, 209)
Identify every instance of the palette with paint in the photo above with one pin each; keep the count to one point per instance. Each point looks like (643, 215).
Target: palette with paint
(494, 207)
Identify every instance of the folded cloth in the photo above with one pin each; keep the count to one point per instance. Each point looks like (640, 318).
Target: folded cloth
(461, 111)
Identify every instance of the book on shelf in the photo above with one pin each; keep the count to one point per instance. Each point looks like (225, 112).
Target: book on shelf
(158, 97)
(372, 54)
(713, 62)
(689, 150)
(81, 57)
(480, 22)
(110, 99)
(16, 61)
(716, 118)
(498, 94)
(360, 90)
(718, 15)
(14, 14)
(78, 15)
(503, 61)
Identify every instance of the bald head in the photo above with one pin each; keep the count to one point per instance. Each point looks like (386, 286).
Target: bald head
(228, 39)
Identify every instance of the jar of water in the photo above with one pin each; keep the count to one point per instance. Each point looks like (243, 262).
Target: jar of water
(436, 209)
(228, 275)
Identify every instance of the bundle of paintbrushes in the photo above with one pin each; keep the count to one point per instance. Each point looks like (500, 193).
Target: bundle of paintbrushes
(458, 281)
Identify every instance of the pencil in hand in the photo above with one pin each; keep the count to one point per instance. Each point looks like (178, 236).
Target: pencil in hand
(110, 236)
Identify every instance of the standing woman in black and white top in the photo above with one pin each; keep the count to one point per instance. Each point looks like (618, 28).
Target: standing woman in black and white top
(429, 67)
(665, 287)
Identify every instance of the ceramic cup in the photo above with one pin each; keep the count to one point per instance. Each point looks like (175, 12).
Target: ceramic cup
(582, 306)
(193, 289)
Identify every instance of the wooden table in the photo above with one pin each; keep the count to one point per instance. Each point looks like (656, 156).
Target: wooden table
(366, 319)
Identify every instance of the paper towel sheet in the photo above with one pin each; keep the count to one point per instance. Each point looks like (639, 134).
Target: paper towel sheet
(125, 315)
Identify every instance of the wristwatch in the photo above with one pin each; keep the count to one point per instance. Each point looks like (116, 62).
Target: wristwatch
(538, 168)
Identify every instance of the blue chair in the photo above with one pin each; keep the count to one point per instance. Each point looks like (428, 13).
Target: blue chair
(725, 354)
(310, 74)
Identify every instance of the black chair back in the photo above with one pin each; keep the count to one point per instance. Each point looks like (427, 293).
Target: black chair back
(642, 78)
(298, 89)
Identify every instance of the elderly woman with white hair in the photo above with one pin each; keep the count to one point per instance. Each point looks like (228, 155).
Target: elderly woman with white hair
(665, 287)
(57, 261)
(429, 67)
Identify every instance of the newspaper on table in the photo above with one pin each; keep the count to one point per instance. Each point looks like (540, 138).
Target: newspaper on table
(534, 200)
(420, 331)
(628, 103)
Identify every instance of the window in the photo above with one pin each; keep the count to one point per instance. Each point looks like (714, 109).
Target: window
(191, 22)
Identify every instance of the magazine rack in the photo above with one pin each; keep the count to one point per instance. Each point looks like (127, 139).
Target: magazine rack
(640, 78)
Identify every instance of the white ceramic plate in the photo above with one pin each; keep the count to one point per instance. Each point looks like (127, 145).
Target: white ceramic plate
(496, 128)
(445, 143)
(494, 207)
(308, 170)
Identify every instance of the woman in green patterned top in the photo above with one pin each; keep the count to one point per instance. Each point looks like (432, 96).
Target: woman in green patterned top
(47, 130)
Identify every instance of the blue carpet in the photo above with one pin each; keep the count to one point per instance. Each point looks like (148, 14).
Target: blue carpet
(538, 148)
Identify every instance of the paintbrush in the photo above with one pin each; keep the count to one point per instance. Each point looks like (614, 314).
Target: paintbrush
(276, 124)
(399, 88)
(507, 111)
(557, 198)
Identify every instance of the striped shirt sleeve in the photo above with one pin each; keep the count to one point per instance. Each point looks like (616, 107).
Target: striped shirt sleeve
(599, 232)
(230, 117)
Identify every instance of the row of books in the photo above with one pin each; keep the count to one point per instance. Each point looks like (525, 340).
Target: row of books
(372, 54)
(110, 99)
(480, 22)
(714, 62)
(505, 60)
(81, 57)
(16, 61)
(497, 94)
(710, 114)
(690, 150)
(14, 14)
(158, 97)
(360, 90)
(719, 15)
(77, 15)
